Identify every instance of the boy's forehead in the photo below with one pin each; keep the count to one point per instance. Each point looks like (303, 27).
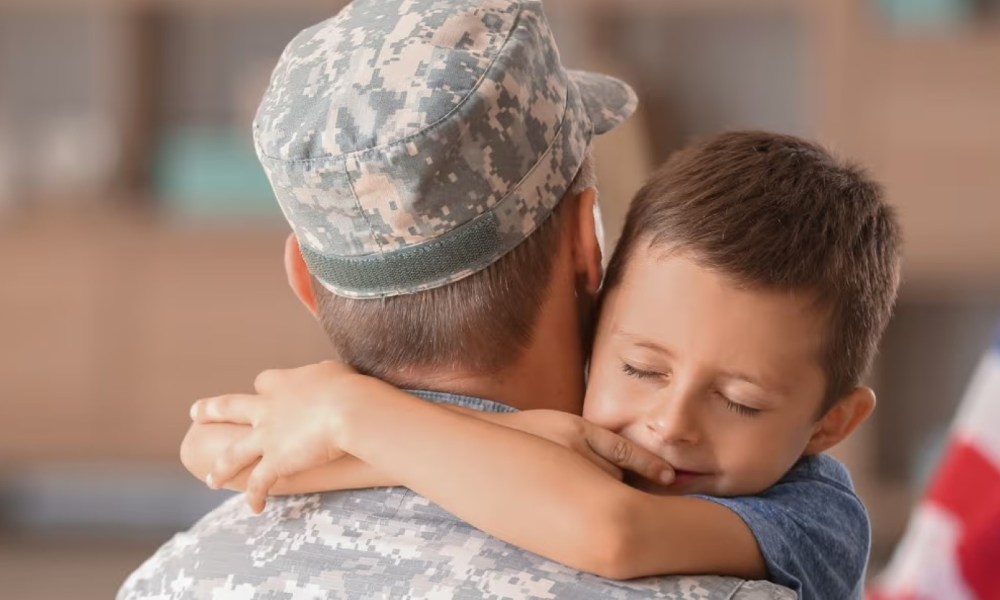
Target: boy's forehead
(672, 266)
(675, 305)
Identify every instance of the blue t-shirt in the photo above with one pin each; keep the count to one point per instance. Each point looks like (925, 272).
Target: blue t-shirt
(812, 529)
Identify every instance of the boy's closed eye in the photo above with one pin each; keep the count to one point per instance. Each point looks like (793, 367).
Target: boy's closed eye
(640, 373)
(730, 404)
(740, 409)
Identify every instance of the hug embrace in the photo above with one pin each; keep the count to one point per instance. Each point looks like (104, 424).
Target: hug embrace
(503, 418)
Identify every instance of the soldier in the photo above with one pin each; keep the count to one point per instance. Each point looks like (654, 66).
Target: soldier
(432, 158)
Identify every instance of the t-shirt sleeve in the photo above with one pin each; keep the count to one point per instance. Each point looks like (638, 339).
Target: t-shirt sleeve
(812, 529)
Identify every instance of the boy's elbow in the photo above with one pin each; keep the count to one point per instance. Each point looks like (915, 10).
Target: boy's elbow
(611, 547)
(611, 556)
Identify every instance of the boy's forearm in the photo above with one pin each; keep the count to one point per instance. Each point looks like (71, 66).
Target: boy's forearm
(205, 442)
(542, 497)
(657, 535)
(521, 488)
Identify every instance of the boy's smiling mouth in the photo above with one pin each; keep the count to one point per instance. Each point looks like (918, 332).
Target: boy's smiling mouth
(682, 477)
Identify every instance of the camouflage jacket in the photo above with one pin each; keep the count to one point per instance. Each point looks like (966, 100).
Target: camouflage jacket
(380, 543)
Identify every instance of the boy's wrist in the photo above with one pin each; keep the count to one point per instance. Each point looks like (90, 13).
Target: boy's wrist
(353, 406)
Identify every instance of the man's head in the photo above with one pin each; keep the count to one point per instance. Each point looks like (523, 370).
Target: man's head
(419, 150)
(479, 324)
(742, 308)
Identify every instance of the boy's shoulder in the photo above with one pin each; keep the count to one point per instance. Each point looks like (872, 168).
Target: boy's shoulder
(821, 468)
(814, 482)
(811, 527)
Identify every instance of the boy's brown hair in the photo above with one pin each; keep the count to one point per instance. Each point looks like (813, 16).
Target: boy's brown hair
(781, 213)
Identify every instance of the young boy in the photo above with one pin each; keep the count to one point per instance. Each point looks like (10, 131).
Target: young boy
(740, 312)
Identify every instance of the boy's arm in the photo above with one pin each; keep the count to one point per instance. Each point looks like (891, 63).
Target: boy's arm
(516, 486)
(541, 497)
(204, 443)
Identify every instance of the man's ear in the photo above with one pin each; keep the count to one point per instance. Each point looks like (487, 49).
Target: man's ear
(299, 277)
(587, 248)
(841, 420)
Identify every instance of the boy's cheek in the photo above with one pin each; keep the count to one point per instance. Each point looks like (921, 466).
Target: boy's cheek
(605, 408)
(598, 413)
(613, 400)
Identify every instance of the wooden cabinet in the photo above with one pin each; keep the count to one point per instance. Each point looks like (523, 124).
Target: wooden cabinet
(112, 327)
(51, 331)
(924, 115)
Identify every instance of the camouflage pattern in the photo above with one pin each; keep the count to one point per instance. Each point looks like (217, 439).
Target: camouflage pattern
(381, 543)
(411, 143)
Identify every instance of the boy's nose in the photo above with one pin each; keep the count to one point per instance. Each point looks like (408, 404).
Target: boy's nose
(674, 422)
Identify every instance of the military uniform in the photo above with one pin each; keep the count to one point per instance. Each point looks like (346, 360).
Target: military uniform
(381, 543)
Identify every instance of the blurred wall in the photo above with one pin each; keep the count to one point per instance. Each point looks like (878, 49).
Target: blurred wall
(141, 245)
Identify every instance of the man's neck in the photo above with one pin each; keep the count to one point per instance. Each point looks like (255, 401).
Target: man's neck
(524, 387)
(547, 375)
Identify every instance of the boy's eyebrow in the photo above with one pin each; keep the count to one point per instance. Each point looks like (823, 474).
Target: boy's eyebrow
(642, 342)
(764, 385)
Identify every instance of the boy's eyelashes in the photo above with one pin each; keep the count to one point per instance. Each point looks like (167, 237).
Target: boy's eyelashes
(641, 373)
(740, 409)
(736, 407)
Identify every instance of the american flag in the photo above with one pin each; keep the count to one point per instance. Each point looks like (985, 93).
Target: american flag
(951, 548)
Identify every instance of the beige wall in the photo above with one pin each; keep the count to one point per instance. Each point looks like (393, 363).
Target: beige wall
(116, 311)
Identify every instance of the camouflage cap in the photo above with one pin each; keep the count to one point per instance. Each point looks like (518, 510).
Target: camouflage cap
(411, 143)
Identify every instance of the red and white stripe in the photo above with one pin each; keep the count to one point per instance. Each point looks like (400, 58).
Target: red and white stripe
(951, 549)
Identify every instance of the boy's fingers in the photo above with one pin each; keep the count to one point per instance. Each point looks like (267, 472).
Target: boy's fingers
(261, 481)
(629, 456)
(231, 408)
(266, 380)
(273, 380)
(234, 459)
(604, 465)
(335, 367)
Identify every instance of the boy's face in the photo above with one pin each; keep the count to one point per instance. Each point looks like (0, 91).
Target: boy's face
(721, 381)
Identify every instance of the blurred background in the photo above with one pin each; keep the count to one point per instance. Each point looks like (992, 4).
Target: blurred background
(141, 249)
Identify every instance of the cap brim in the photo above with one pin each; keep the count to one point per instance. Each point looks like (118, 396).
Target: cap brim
(608, 101)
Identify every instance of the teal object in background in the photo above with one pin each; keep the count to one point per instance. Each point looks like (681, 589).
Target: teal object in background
(927, 15)
(212, 175)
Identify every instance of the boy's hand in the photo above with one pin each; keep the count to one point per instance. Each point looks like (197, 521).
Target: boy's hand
(606, 449)
(295, 418)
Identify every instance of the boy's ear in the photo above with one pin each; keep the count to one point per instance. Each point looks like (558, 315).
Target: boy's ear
(841, 420)
(588, 245)
(299, 277)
